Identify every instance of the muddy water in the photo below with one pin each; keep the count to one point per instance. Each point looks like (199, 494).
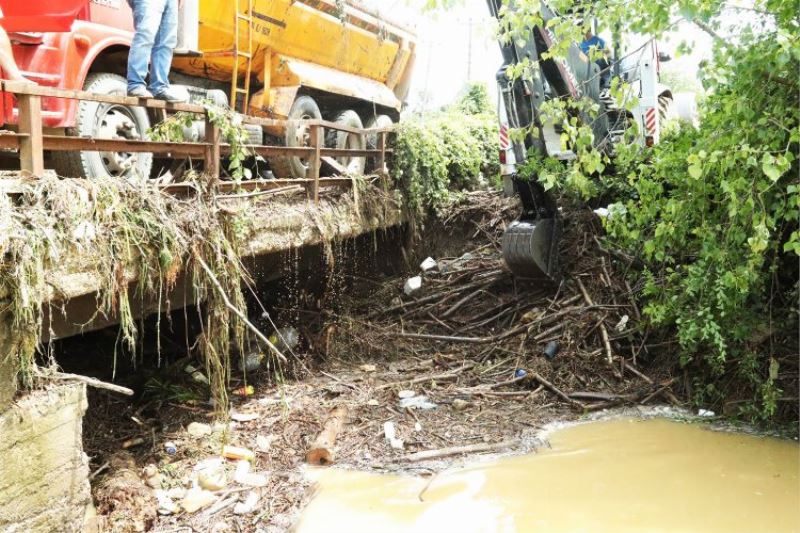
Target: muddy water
(618, 476)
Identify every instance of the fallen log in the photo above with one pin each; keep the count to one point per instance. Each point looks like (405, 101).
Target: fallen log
(322, 452)
(456, 450)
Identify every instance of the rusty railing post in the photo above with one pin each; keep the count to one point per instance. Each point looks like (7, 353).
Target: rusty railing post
(31, 149)
(382, 155)
(316, 160)
(212, 155)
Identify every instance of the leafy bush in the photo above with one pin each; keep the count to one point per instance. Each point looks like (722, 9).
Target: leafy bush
(714, 215)
(444, 152)
(712, 212)
(475, 100)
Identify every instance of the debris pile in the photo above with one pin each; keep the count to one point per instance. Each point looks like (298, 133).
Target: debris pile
(579, 343)
(471, 361)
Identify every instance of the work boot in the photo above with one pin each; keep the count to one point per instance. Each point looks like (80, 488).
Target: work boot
(173, 94)
(140, 92)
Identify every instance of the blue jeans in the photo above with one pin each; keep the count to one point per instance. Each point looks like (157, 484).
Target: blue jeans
(156, 24)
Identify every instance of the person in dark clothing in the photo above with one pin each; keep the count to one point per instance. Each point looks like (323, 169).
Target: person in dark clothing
(590, 42)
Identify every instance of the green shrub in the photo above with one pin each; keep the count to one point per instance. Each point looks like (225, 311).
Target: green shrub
(713, 212)
(444, 152)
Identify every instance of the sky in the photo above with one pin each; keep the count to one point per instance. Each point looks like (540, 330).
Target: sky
(453, 48)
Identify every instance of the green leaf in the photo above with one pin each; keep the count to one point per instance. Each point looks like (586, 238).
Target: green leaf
(769, 165)
(695, 171)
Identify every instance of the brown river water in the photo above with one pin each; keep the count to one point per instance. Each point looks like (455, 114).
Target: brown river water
(616, 476)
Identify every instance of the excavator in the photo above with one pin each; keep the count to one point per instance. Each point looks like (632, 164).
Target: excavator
(530, 244)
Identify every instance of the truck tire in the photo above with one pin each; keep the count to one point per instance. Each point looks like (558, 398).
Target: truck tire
(342, 139)
(303, 108)
(106, 121)
(377, 121)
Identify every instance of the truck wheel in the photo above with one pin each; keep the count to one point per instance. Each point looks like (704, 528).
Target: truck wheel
(304, 108)
(343, 139)
(377, 121)
(106, 121)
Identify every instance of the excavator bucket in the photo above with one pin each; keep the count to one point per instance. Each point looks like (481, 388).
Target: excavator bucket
(530, 249)
(530, 245)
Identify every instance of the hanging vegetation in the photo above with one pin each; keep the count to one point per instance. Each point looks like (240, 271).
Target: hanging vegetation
(122, 232)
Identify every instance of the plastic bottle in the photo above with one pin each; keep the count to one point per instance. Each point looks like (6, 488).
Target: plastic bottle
(286, 339)
(234, 452)
(551, 350)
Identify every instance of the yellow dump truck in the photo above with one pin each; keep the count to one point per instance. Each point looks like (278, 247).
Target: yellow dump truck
(333, 59)
(298, 59)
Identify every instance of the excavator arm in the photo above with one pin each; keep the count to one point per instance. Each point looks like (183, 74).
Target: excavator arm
(530, 245)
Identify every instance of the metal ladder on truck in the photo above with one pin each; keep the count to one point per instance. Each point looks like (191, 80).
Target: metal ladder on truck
(238, 55)
(242, 53)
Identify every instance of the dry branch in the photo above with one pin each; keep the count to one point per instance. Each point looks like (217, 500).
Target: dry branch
(322, 452)
(603, 330)
(450, 374)
(236, 311)
(555, 390)
(455, 450)
(92, 382)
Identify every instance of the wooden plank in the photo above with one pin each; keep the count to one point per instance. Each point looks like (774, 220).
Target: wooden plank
(303, 151)
(89, 144)
(31, 153)
(382, 154)
(212, 154)
(317, 142)
(11, 140)
(335, 126)
(252, 185)
(21, 88)
(61, 143)
(335, 165)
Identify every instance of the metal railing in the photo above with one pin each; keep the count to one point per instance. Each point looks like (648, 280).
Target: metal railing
(31, 142)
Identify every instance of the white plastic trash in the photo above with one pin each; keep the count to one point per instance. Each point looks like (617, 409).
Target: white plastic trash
(388, 430)
(412, 284)
(416, 402)
(391, 436)
(248, 505)
(428, 264)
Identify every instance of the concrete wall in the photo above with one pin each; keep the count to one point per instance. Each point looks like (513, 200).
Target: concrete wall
(44, 482)
(9, 364)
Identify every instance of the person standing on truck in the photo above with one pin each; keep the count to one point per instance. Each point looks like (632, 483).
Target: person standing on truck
(156, 34)
(592, 41)
(7, 61)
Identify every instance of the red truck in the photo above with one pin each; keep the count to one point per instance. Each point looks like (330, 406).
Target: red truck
(78, 44)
